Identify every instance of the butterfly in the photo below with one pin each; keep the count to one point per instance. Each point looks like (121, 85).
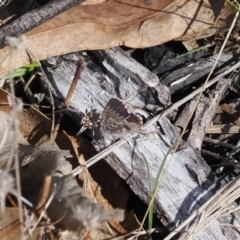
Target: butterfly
(116, 121)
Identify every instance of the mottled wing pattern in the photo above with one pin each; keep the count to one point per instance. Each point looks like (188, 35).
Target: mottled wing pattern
(116, 122)
(118, 107)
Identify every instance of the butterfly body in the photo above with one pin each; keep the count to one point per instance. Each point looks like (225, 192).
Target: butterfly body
(116, 121)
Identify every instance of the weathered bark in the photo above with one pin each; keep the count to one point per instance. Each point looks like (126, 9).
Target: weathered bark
(187, 76)
(204, 114)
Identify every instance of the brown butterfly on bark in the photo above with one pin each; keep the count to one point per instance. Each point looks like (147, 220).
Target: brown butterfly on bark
(117, 122)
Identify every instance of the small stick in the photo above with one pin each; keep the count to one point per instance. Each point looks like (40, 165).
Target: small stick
(218, 142)
(78, 72)
(10, 199)
(44, 194)
(77, 75)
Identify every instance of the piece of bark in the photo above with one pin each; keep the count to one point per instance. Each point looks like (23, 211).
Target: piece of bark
(204, 114)
(130, 73)
(162, 60)
(231, 111)
(191, 74)
(180, 191)
(184, 115)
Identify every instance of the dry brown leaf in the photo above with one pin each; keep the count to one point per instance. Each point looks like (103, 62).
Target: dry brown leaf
(92, 186)
(33, 124)
(10, 226)
(136, 23)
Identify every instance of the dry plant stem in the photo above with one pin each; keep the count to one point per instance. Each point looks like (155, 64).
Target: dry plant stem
(217, 209)
(11, 200)
(51, 98)
(26, 104)
(27, 90)
(119, 143)
(109, 229)
(231, 225)
(43, 213)
(4, 136)
(223, 129)
(29, 82)
(215, 156)
(214, 141)
(69, 95)
(236, 149)
(44, 194)
(220, 207)
(14, 147)
(77, 75)
(214, 202)
(49, 90)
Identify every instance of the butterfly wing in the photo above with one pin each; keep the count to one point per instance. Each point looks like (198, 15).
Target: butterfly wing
(116, 122)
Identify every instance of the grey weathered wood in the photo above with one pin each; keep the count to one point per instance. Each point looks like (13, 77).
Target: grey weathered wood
(189, 75)
(187, 180)
(203, 115)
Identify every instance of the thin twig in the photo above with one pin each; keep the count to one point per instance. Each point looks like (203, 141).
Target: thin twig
(77, 75)
(215, 141)
(27, 90)
(223, 129)
(214, 155)
(49, 90)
